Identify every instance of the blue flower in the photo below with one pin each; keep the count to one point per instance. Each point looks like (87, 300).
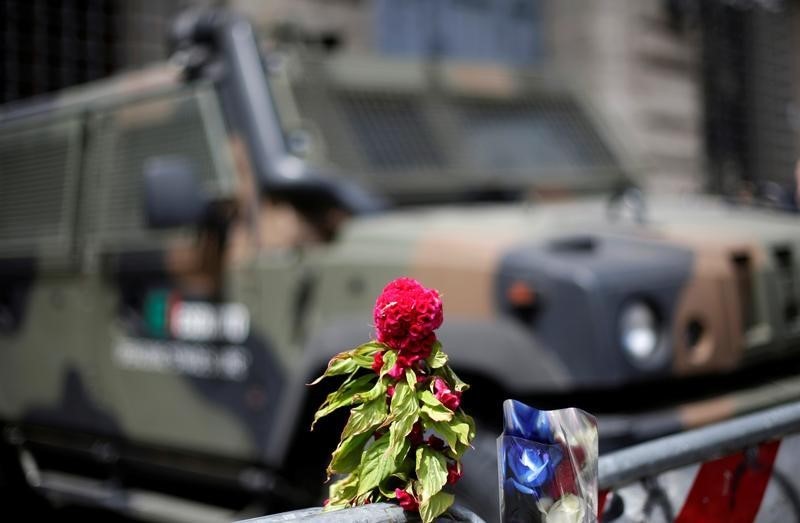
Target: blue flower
(528, 465)
(526, 422)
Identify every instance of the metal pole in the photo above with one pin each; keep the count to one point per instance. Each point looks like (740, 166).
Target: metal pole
(654, 457)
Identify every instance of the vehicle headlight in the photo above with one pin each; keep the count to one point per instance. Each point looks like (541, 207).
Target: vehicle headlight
(638, 327)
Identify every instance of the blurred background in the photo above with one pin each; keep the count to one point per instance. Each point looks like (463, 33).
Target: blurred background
(704, 95)
(685, 98)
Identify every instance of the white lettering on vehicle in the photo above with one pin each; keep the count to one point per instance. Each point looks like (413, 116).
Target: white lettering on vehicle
(203, 321)
(230, 362)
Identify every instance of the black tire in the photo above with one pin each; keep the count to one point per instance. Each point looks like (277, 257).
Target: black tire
(477, 489)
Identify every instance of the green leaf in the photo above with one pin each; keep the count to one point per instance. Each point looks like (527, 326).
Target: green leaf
(346, 395)
(411, 379)
(437, 358)
(431, 508)
(350, 361)
(404, 412)
(431, 471)
(453, 433)
(341, 492)
(364, 354)
(452, 378)
(366, 417)
(347, 455)
(377, 391)
(462, 417)
(462, 431)
(389, 359)
(433, 408)
(376, 464)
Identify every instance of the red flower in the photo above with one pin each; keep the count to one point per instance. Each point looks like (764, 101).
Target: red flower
(454, 472)
(435, 443)
(405, 361)
(564, 479)
(450, 399)
(406, 500)
(377, 362)
(415, 436)
(406, 314)
(390, 391)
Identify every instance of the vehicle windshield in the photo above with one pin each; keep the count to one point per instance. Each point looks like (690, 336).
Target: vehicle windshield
(446, 132)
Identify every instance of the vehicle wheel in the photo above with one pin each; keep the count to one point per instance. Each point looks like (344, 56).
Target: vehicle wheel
(477, 489)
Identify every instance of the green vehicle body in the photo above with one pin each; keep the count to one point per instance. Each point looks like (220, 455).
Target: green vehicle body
(182, 249)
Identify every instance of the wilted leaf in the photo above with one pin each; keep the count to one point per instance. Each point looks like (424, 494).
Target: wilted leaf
(366, 417)
(433, 408)
(341, 492)
(452, 378)
(364, 354)
(347, 455)
(344, 396)
(462, 417)
(431, 508)
(376, 465)
(431, 471)
(437, 358)
(377, 391)
(404, 412)
(453, 433)
(350, 361)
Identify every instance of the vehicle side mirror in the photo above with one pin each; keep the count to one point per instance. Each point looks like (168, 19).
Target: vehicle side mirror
(172, 194)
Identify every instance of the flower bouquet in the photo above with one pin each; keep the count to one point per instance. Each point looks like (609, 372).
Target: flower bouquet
(406, 433)
(547, 465)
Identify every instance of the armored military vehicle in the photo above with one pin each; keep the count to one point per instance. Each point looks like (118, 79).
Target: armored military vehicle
(182, 248)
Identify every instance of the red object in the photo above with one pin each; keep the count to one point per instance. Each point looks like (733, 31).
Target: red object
(730, 489)
(415, 436)
(406, 314)
(450, 399)
(406, 500)
(564, 480)
(435, 443)
(377, 362)
(454, 472)
(602, 497)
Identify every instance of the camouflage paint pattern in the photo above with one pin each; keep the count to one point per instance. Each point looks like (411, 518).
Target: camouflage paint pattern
(79, 355)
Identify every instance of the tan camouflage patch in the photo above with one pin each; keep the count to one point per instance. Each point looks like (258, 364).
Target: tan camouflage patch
(151, 112)
(463, 266)
(713, 303)
(702, 413)
(481, 80)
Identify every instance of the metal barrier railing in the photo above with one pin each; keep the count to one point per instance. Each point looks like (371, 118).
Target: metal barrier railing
(616, 470)
(374, 513)
(670, 452)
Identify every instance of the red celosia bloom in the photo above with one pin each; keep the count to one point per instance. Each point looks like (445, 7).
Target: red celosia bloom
(406, 314)
(406, 500)
(454, 472)
(449, 398)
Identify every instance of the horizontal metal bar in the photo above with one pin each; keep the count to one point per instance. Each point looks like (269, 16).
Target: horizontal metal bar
(63, 488)
(654, 457)
(373, 513)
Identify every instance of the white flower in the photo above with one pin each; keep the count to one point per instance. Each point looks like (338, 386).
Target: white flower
(569, 509)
